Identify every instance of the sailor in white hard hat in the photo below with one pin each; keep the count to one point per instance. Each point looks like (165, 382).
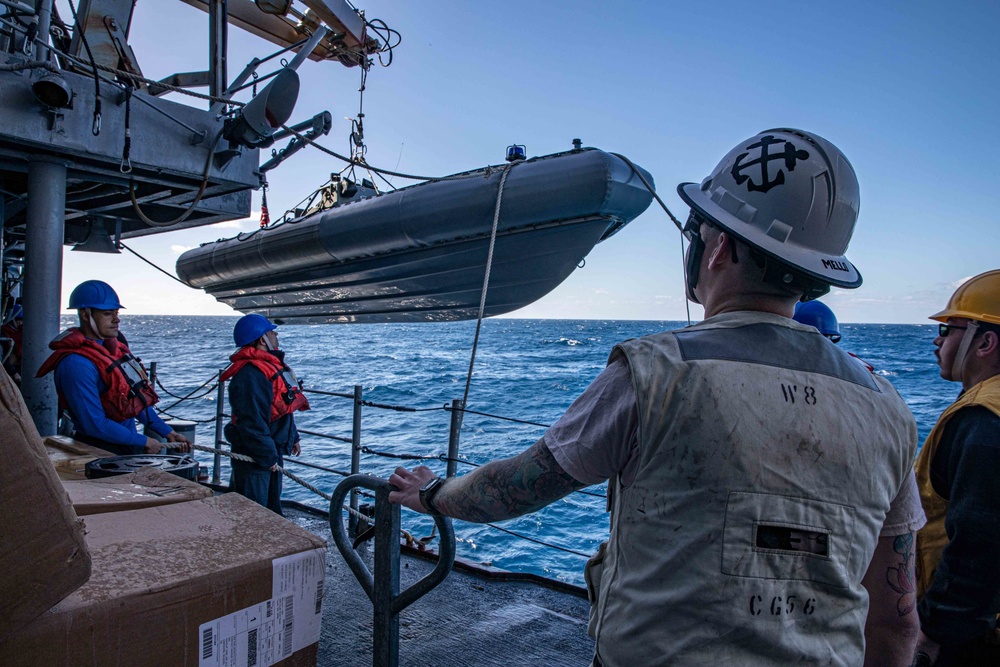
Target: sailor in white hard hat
(759, 478)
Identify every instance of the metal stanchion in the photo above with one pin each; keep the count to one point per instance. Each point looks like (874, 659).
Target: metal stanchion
(352, 520)
(220, 401)
(454, 432)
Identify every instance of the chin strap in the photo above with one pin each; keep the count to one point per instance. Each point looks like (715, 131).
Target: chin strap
(958, 365)
(93, 324)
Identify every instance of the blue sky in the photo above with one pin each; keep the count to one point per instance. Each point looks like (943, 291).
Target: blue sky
(908, 90)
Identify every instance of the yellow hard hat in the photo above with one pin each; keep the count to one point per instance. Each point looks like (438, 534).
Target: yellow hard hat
(977, 299)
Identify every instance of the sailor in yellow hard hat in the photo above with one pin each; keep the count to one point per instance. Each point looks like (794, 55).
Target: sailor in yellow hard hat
(958, 551)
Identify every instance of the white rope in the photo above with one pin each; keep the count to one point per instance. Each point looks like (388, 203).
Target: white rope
(243, 457)
(486, 282)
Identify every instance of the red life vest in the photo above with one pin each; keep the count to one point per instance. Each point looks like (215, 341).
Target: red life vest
(287, 396)
(127, 392)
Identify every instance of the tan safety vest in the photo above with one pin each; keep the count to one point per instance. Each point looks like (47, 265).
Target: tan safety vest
(768, 459)
(932, 539)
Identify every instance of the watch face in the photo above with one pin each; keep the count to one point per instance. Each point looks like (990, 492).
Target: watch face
(427, 493)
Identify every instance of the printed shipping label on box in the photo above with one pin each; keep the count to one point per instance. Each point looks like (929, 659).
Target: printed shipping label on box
(265, 633)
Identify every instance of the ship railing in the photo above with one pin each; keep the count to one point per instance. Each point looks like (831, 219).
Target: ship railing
(357, 514)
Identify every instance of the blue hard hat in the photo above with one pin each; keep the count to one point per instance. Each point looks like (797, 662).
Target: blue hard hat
(94, 294)
(817, 314)
(251, 327)
(17, 312)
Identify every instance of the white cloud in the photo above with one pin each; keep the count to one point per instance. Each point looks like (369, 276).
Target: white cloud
(181, 248)
(959, 283)
(252, 220)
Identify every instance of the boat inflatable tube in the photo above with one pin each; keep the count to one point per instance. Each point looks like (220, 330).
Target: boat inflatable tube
(420, 253)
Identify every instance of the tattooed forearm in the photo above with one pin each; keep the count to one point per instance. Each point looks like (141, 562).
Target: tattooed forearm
(900, 576)
(507, 488)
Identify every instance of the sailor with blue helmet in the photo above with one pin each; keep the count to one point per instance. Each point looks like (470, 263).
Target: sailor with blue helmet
(263, 395)
(102, 385)
(817, 314)
(759, 479)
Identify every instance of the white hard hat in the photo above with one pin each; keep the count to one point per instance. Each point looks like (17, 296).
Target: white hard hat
(791, 195)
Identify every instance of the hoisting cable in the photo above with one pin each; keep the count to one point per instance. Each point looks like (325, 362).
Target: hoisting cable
(687, 302)
(486, 282)
(680, 227)
(649, 187)
(163, 271)
(324, 149)
(77, 27)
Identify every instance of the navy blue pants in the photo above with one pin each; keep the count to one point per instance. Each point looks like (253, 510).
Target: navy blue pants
(261, 486)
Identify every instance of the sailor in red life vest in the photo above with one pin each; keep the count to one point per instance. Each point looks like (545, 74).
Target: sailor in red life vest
(263, 394)
(102, 385)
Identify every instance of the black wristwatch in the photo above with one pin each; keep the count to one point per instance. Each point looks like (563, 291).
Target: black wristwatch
(427, 493)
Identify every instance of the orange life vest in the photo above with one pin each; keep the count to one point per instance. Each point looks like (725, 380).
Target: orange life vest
(128, 391)
(287, 396)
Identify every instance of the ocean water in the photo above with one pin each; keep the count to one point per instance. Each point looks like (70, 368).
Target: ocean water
(529, 370)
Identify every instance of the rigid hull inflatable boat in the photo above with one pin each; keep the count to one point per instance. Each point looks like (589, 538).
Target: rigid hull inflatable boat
(420, 253)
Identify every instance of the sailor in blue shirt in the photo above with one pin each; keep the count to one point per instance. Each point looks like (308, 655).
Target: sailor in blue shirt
(263, 395)
(99, 381)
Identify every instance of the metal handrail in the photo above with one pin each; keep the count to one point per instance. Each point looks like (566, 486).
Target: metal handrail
(382, 588)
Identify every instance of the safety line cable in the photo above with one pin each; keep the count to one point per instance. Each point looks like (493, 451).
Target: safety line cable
(190, 396)
(532, 539)
(509, 419)
(390, 455)
(326, 436)
(185, 419)
(203, 384)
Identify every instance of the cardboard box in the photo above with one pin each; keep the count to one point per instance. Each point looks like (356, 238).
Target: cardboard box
(146, 487)
(43, 555)
(70, 457)
(198, 584)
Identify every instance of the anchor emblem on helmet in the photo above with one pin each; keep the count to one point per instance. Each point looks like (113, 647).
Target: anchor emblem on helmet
(789, 154)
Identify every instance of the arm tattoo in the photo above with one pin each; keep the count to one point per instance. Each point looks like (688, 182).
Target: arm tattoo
(900, 577)
(507, 488)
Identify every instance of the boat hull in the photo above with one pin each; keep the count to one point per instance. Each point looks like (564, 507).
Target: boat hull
(420, 253)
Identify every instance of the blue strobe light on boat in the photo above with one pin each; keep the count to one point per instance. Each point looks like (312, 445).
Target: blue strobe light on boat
(515, 152)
